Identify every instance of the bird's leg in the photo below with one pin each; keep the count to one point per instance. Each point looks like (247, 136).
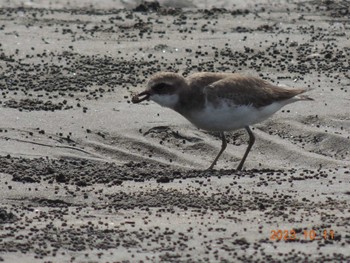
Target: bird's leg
(251, 142)
(223, 147)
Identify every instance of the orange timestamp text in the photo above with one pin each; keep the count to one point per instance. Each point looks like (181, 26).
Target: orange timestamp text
(305, 234)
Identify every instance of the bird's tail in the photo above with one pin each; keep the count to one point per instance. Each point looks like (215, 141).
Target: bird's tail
(303, 97)
(300, 94)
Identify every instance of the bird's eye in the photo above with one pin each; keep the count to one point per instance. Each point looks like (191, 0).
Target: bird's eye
(161, 88)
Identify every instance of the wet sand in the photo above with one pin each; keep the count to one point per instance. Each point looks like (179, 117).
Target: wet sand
(86, 176)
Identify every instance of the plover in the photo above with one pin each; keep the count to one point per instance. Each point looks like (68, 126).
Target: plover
(219, 102)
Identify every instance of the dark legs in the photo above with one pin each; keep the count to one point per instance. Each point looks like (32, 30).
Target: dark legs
(224, 144)
(223, 147)
(250, 144)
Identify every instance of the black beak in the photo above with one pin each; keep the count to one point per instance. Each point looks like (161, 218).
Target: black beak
(137, 99)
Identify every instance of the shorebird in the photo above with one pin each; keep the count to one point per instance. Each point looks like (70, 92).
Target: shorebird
(219, 102)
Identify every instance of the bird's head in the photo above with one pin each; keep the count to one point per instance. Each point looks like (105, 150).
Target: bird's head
(163, 88)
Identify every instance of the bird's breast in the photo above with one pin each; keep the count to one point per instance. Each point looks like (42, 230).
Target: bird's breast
(229, 117)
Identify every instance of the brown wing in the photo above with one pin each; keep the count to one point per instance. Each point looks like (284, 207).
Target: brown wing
(242, 90)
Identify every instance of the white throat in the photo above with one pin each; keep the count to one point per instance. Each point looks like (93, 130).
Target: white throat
(166, 100)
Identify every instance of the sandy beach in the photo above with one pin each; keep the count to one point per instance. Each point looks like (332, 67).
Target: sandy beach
(87, 176)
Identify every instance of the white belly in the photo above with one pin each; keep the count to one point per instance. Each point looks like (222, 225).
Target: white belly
(230, 117)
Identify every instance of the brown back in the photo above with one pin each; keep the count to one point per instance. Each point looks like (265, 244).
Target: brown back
(242, 90)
